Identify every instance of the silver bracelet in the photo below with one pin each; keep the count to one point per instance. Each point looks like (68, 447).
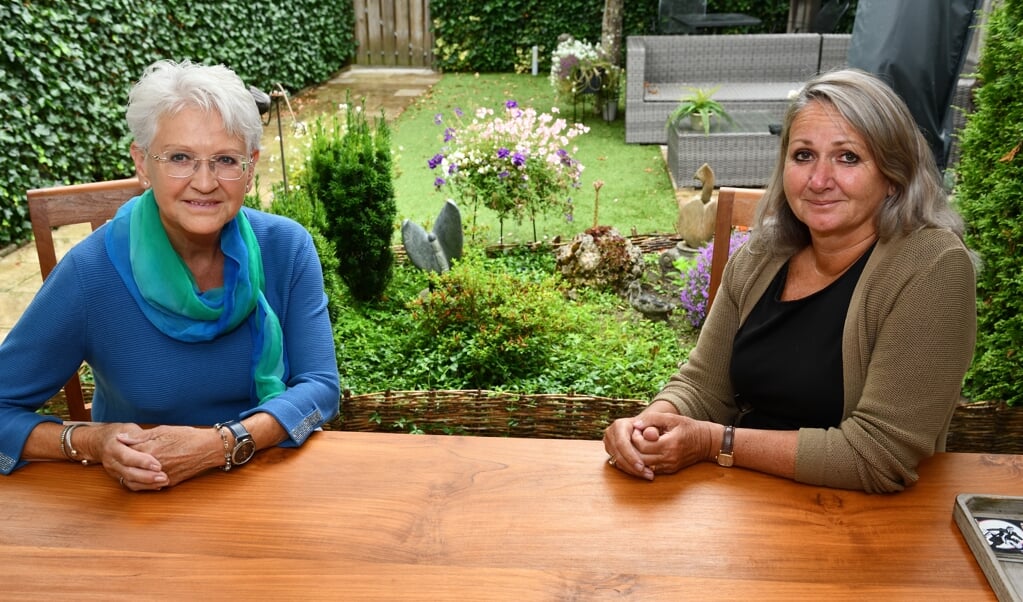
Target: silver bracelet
(227, 448)
(63, 439)
(67, 448)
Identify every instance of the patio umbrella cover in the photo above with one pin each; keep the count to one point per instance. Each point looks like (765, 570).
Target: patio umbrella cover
(918, 47)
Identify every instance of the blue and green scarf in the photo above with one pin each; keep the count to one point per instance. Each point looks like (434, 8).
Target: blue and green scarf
(168, 295)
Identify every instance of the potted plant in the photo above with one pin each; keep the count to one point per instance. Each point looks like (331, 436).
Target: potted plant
(700, 107)
(610, 90)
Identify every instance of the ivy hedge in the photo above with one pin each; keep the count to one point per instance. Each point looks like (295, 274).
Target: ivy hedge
(989, 194)
(67, 65)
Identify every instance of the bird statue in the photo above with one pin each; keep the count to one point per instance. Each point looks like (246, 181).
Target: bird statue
(433, 251)
(648, 304)
(696, 214)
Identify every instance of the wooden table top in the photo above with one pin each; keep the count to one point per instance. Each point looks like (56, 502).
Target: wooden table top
(386, 516)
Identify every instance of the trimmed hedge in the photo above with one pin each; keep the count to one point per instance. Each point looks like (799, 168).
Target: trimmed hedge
(989, 194)
(67, 66)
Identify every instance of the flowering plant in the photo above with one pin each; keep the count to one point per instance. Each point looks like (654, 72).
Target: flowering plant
(570, 58)
(515, 162)
(696, 284)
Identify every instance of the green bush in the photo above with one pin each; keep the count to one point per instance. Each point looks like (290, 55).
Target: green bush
(488, 325)
(349, 172)
(989, 194)
(67, 67)
(503, 323)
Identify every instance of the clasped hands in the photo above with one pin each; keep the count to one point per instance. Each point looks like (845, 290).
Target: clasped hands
(151, 459)
(656, 443)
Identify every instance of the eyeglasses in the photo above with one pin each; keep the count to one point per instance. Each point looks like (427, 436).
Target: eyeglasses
(184, 165)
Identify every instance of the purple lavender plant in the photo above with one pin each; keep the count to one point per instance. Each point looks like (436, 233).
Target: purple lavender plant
(696, 280)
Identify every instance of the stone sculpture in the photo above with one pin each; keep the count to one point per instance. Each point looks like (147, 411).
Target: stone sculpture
(434, 251)
(696, 215)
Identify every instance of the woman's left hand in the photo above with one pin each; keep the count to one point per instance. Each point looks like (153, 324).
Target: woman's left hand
(183, 451)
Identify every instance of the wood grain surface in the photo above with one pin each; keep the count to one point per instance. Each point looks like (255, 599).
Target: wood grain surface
(390, 516)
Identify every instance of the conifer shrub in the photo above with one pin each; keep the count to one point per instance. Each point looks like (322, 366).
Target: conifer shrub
(349, 172)
(989, 194)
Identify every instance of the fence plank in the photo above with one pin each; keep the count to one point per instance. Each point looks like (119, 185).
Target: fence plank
(420, 37)
(393, 33)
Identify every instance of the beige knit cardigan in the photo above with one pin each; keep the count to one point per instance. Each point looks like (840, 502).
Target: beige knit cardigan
(908, 339)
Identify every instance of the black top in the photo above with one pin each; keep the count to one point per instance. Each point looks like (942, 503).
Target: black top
(787, 356)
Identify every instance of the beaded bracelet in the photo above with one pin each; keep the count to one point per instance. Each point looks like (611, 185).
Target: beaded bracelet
(67, 448)
(227, 448)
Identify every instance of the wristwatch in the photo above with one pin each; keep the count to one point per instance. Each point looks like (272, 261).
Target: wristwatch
(244, 446)
(725, 455)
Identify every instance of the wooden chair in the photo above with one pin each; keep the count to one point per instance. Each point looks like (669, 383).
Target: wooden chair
(736, 207)
(94, 203)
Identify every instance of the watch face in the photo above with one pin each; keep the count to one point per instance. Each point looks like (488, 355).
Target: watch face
(243, 451)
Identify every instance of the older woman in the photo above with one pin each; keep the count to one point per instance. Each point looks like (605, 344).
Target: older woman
(200, 319)
(836, 346)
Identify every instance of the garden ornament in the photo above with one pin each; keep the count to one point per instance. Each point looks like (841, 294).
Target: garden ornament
(696, 214)
(649, 304)
(433, 251)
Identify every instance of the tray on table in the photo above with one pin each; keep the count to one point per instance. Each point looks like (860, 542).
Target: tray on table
(993, 528)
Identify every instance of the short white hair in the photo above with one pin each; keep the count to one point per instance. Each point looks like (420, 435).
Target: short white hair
(167, 87)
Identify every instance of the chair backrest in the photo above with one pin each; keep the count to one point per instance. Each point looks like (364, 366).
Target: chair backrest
(94, 203)
(736, 207)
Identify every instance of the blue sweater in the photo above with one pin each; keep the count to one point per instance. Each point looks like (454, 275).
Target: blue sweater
(83, 312)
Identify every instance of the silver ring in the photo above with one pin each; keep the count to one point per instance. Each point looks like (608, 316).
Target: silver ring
(612, 460)
(121, 480)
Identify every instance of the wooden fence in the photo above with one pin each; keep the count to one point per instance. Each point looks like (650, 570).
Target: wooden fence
(393, 33)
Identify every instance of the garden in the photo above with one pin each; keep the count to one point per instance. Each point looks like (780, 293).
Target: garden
(395, 322)
(508, 316)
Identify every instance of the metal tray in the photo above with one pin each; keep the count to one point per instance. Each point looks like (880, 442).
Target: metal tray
(993, 528)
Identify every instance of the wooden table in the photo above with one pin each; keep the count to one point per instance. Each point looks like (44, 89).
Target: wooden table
(363, 515)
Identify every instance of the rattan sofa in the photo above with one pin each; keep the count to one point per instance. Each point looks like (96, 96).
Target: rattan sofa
(753, 72)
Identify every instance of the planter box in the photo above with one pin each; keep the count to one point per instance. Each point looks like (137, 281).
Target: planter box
(742, 153)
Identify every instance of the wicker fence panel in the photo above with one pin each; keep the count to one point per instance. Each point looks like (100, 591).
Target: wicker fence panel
(980, 427)
(485, 413)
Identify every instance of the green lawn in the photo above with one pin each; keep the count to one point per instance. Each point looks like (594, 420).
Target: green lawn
(637, 193)
(636, 197)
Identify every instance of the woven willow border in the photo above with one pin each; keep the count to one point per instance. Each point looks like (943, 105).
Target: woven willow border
(981, 427)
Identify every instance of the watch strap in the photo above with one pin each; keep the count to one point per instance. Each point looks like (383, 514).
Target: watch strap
(242, 440)
(725, 456)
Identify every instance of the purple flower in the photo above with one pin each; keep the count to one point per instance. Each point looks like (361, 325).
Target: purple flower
(435, 160)
(696, 287)
(510, 104)
(502, 153)
(518, 159)
(449, 134)
(438, 119)
(503, 174)
(438, 182)
(459, 112)
(452, 169)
